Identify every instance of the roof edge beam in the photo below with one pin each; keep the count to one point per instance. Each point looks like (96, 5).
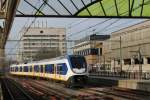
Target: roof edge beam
(86, 16)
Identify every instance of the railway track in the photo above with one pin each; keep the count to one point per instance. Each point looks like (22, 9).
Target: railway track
(77, 94)
(62, 92)
(12, 91)
(48, 90)
(118, 93)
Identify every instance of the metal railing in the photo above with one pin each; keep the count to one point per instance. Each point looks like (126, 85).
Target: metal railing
(125, 75)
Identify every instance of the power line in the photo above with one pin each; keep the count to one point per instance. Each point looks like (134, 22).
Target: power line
(23, 34)
(89, 27)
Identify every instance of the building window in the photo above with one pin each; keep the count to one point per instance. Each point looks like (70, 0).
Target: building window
(148, 60)
(41, 31)
(100, 51)
(127, 61)
(33, 43)
(118, 61)
(138, 62)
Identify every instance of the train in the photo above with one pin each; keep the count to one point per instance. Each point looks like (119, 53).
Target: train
(70, 70)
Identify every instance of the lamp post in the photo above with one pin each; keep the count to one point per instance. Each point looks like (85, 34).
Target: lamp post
(120, 56)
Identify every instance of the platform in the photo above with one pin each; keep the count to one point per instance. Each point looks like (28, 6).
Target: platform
(121, 82)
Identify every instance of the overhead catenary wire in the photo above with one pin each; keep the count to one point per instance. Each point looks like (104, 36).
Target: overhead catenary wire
(23, 35)
(71, 34)
(18, 41)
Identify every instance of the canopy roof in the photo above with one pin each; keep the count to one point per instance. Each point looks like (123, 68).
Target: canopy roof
(84, 8)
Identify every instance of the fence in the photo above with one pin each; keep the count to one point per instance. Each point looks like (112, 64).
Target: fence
(125, 75)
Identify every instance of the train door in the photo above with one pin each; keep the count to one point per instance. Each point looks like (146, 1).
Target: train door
(59, 71)
(41, 70)
(55, 71)
(44, 71)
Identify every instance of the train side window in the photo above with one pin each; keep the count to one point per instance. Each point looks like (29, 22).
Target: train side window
(25, 68)
(20, 68)
(36, 68)
(10, 69)
(62, 68)
(30, 68)
(16, 69)
(49, 68)
(41, 66)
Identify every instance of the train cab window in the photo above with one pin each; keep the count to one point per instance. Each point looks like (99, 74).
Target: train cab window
(25, 68)
(62, 69)
(49, 68)
(78, 62)
(41, 67)
(36, 68)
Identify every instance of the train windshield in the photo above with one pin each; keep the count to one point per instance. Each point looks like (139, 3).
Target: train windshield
(78, 62)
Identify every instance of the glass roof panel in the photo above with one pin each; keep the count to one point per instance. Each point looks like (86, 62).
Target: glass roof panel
(58, 7)
(84, 7)
(69, 5)
(123, 6)
(25, 8)
(47, 10)
(146, 8)
(96, 9)
(109, 7)
(83, 13)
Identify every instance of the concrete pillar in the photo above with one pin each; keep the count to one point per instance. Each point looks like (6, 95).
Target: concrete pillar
(122, 62)
(144, 60)
(113, 64)
(132, 61)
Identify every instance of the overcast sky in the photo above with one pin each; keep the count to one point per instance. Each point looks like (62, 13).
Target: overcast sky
(76, 27)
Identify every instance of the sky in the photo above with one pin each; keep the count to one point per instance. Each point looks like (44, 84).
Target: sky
(76, 28)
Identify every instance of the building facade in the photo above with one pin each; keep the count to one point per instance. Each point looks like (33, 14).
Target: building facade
(91, 48)
(128, 48)
(36, 39)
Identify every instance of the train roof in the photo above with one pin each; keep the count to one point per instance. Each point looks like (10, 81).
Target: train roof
(46, 60)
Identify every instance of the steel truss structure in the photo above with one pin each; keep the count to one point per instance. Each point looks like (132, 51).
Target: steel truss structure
(84, 8)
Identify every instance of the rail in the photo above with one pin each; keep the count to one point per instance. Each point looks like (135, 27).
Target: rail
(12, 91)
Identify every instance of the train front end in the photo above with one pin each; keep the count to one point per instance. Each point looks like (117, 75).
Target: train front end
(78, 67)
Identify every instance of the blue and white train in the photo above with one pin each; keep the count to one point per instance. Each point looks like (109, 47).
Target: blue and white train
(71, 69)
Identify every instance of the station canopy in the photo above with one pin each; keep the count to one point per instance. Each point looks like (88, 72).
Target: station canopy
(84, 8)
